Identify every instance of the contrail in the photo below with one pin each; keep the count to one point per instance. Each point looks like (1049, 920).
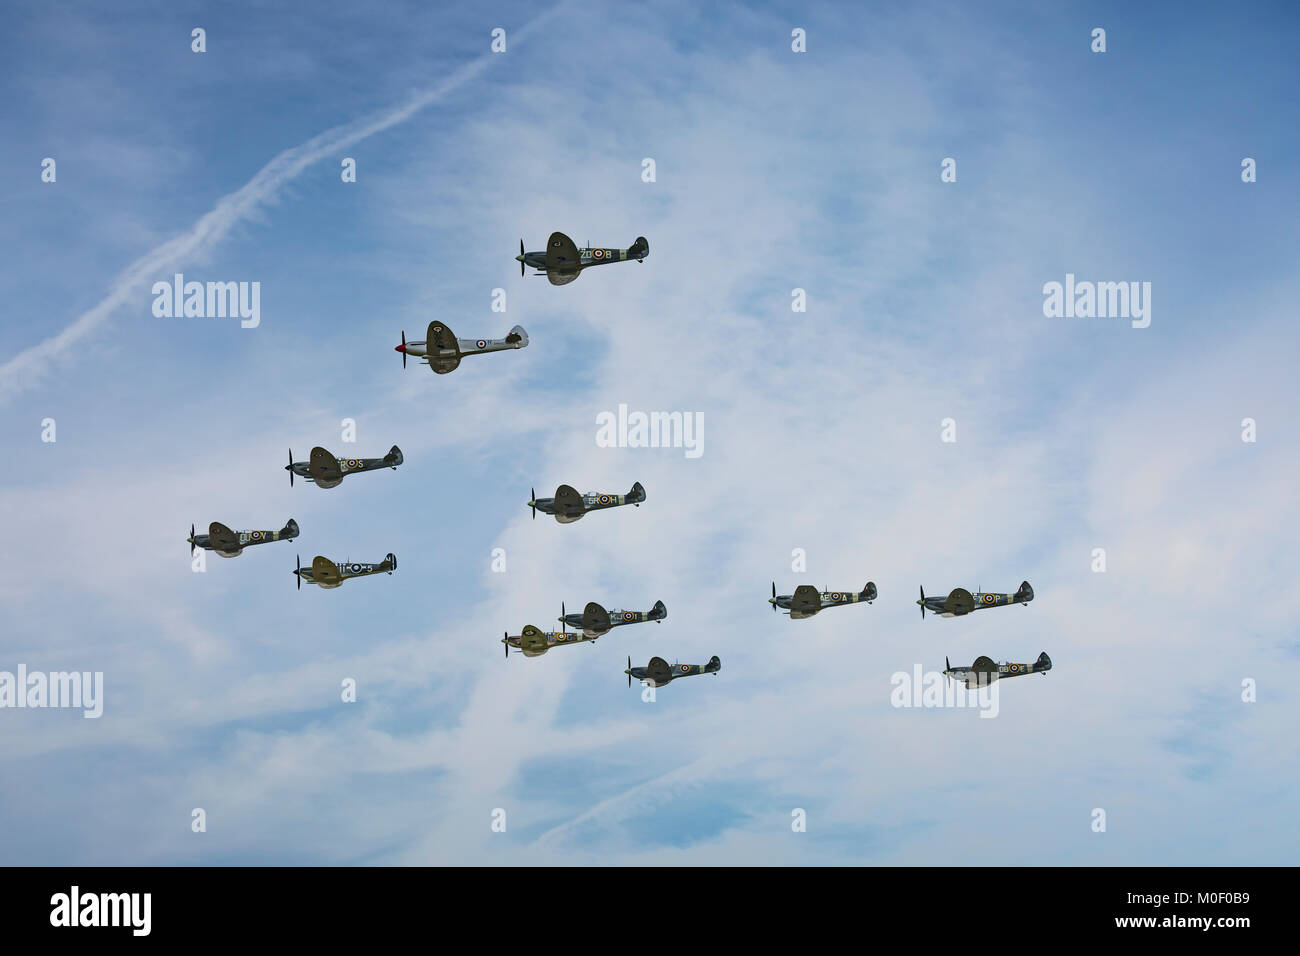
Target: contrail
(26, 369)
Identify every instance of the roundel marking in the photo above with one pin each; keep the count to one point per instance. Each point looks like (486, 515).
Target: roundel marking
(437, 328)
(989, 599)
(555, 244)
(356, 568)
(561, 637)
(352, 463)
(598, 253)
(255, 535)
(603, 499)
(1014, 668)
(629, 616)
(835, 595)
(685, 667)
(480, 344)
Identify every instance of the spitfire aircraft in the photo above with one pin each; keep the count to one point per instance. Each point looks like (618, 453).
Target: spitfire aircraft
(985, 671)
(563, 260)
(443, 351)
(960, 601)
(534, 642)
(568, 506)
(595, 620)
(327, 471)
(807, 600)
(657, 672)
(231, 544)
(328, 574)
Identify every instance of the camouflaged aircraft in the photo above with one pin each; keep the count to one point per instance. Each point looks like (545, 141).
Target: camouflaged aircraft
(563, 260)
(231, 544)
(327, 574)
(960, 601)
(443, 351)
(327, 471)
(568, 506)
(985, 671)
(595, 620)
(807, 600)
(534, 642)
(657, 672)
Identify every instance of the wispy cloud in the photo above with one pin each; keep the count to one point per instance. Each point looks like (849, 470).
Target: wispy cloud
(26, 369)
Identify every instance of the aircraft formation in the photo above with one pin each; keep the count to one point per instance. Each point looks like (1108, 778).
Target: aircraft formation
(807, 601)
(562, 262)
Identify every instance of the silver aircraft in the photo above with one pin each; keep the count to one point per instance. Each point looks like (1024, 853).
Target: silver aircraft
(443, 351)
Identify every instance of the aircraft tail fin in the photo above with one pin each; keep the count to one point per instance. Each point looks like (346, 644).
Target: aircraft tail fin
(392, 561)
(517, 337)
(637, 494)
(639, 249)
(290, 529)
(869, 591)
(394, 457)
(714, 665)
(1025, 594)
(1044, 662)
(659, 611)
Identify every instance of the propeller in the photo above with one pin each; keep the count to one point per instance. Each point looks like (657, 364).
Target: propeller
(521, 257)
(191, 540)
(297, 559)
(532, 503)
(563, 623)
(629, 670)
(922, 602)
(946, 666)
(506, 642)
(289, 468)
(773, 601)
(403, 348)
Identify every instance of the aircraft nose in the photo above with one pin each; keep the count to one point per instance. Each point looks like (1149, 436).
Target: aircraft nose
(519, 258)
(400, 348)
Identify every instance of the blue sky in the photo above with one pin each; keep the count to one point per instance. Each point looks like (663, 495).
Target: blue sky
(775, 171)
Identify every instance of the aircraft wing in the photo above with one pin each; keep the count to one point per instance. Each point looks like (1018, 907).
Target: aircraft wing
(324, 571)
(561, 259)
(323, 466)
(658, 670)
(960, 601)
(806, 600)
(595, 620)
(567, 500)
(222, 538)
(439, 336)
(532, 639)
